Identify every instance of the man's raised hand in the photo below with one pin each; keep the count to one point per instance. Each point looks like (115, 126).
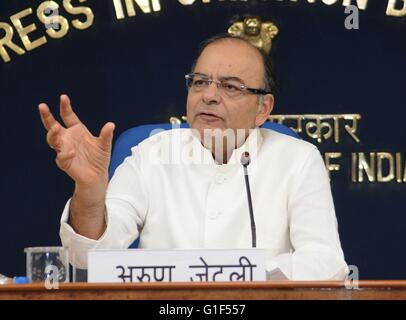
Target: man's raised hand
(84, 157)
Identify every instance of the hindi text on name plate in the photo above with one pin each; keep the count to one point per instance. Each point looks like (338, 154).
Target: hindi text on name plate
(179, 265)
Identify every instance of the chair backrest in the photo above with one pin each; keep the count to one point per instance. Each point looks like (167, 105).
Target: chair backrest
(133, 136)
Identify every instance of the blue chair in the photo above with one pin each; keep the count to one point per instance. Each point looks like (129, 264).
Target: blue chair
(133, 136)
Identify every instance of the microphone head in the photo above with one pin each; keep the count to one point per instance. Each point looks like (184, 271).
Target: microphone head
(245, 159)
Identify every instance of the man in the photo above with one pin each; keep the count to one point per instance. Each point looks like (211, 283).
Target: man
(201, 203)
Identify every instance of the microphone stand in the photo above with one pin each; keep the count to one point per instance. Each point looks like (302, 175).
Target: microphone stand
(245, 161)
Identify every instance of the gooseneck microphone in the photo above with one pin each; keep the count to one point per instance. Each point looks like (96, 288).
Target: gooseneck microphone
(245, 161)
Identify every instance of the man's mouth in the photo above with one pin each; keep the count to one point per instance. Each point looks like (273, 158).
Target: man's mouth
(208, 116)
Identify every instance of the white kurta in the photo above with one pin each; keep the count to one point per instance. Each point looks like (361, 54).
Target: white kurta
(172, 194)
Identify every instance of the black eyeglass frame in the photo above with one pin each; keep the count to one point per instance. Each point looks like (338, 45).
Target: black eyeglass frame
(242, 86)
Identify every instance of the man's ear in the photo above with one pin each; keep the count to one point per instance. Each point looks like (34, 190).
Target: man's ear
(264, 109)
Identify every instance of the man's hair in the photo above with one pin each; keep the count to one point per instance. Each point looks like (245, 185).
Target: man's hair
(269, 81)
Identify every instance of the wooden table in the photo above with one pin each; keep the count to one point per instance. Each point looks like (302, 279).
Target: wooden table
(277, 290)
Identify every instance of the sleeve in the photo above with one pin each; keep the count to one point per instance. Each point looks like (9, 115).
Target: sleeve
(126, 208)
(316, 250)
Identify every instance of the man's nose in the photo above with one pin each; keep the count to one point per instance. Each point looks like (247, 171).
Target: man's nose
(212, 94)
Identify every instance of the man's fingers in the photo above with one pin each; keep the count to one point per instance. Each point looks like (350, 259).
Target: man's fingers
(63, 156)
(67, 114)
(54, 136)
(106, 135)
(64, 159)
(47, 118)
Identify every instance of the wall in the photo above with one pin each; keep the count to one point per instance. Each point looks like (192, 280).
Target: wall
(131, 71)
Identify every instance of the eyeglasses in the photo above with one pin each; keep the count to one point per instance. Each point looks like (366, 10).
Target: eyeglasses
(230, 86)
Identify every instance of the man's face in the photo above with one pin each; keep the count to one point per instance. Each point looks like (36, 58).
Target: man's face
(211, 108)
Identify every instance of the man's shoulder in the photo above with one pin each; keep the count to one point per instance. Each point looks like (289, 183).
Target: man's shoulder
(276, 141)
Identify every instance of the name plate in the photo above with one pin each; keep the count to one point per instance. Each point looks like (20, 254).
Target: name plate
(194, 265)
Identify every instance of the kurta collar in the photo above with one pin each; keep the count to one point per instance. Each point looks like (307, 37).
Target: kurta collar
(252, 145)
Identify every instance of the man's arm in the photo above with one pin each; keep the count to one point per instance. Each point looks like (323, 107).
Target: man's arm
(85, 158)
(317, 253)
(92, 224)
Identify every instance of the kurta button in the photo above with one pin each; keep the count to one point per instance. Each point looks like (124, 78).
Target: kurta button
(214, 215)
(220, 178)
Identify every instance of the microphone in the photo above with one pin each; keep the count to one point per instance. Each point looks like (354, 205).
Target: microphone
(245, 161)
